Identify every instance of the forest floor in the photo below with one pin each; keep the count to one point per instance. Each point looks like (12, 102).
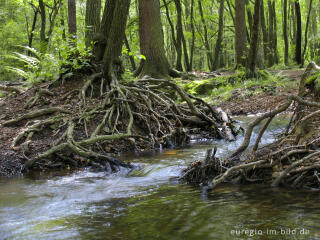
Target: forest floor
(240, 101)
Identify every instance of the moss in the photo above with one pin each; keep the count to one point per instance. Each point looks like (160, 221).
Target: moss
(312, 79)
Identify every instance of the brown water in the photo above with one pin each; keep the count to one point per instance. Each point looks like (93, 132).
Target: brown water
(149, 204)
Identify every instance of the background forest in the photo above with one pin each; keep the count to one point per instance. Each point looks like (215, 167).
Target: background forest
(198, 35)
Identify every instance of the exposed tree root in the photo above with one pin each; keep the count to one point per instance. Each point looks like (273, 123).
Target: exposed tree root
(10, 89)
(142, 114)
(293, 160)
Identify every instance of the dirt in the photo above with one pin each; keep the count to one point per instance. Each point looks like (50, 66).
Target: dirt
(12, 159)
(260, 103)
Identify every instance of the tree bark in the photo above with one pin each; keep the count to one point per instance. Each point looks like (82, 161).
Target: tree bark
(33, 27)
(43, 40)
(112, 68)
(105, 25)
(193, 35)
(93, 10)
(206, 41)
(240, 34)
(151, 40)
(306, 32)
(72, 18)
(217, 49)
(298, 56)
(254, 43)
(285, 32)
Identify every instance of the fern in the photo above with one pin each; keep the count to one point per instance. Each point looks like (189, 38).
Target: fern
(39, 67)
(17, 71)
(35, 52)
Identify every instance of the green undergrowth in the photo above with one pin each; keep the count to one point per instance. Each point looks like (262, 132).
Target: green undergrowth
(223, 88)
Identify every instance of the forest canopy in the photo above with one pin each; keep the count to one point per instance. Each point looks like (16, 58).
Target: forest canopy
(197, 35)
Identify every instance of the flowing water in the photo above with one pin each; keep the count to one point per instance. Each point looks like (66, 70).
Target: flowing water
(150, 204)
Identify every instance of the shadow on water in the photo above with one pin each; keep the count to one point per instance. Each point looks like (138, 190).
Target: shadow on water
(147, 204)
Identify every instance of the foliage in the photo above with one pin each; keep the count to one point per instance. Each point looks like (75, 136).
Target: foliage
(221, 88)
(36, 68)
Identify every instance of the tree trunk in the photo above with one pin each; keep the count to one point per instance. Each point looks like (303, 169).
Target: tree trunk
(72, 18)
(179, 35)
(264, 31)
(151, 40)
(240, 34)
(298, 56)
(33, 27)
(93, 10)
(175, 39)
(217, 50)
(102, 37)
(112, 67)
(131, 58)
(270, 55)
(193, 35)
(43, 40)
(254, 43)
(306, 32)
(62, 23)
(275, 34)
(285, 33)
(206, 41)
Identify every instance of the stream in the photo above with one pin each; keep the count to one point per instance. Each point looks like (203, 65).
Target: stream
(150, 204)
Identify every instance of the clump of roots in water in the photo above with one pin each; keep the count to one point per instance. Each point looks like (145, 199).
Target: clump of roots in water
(292, 160)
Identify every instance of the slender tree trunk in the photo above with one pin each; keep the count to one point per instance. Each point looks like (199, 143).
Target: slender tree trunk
(52, 17)
(33, 27)
(265, 38)
(93, 10)
(217, 50)
(43, 40)
(179, 35)
(151, 40)
(306, 32)
(72, 18)
(193, 35)
(62, 23)
(133, 64)
(240, 35)
(206, 41)
(299, 33)
(176, 39)
(270, 56)
(285, 33)
(275, 34)
(252, 58)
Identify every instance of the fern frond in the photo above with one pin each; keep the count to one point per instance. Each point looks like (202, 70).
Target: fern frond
(27, 59)
(36, 53)
(17, 71)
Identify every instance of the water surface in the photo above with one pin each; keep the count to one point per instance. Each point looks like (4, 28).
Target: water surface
(150, 204)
